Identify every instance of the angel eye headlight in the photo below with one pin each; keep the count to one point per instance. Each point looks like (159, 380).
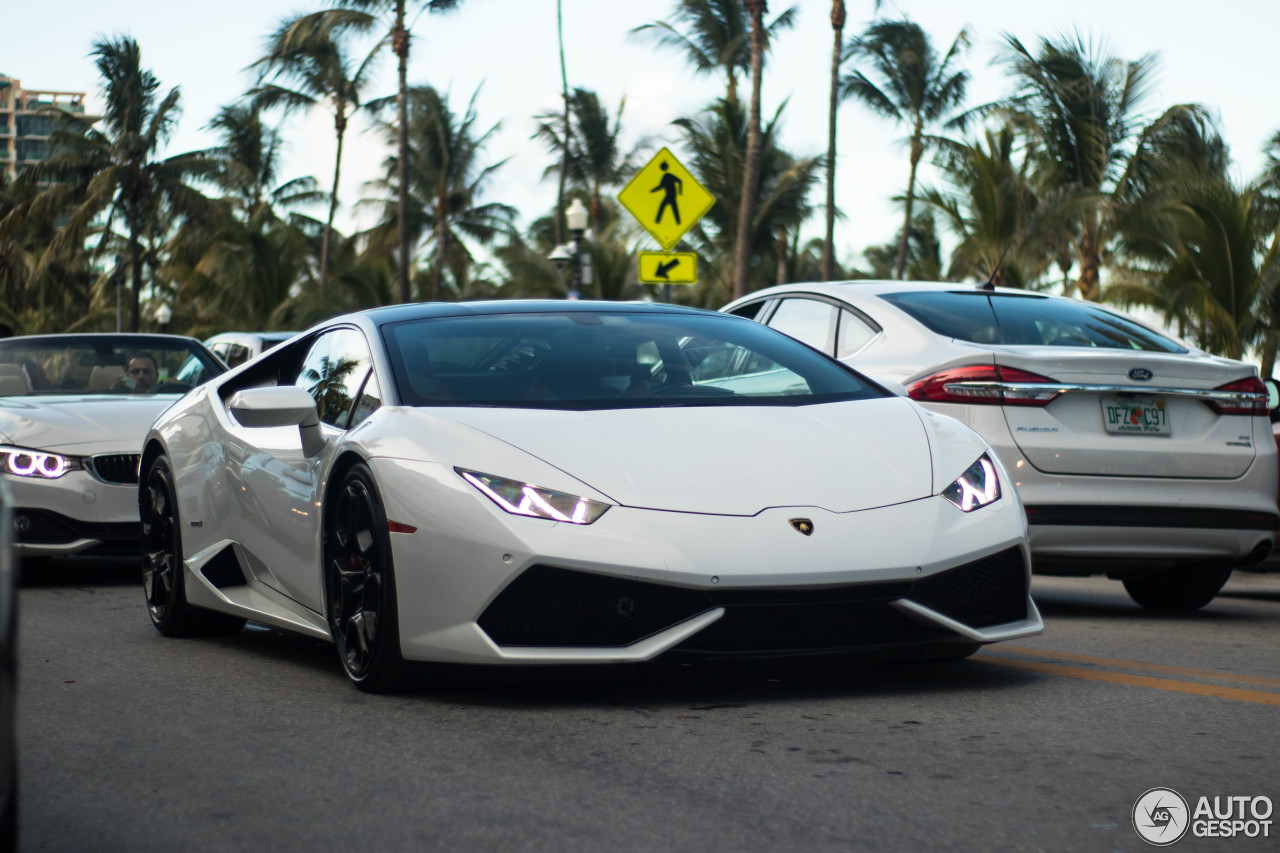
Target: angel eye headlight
(976, 487)
(520, 498)
(23, 462)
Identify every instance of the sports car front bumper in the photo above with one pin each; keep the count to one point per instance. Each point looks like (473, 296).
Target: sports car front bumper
(478, 585)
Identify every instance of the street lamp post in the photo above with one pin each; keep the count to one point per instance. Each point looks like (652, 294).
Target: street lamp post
(576, 217)
(163, 315)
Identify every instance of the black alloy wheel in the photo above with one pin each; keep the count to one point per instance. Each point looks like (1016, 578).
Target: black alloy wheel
(360, 585)
(162, 580)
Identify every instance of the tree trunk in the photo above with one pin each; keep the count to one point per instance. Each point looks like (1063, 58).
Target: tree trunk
(400, 45)
(135, 271)
(1089, 260)
(781, 248)
(828, 249)
(917, 149)
(340, 126)
(1268, 355)
(437, 275)
(559, 229)
(751, 169)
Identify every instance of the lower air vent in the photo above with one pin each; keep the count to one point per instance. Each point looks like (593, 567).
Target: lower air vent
(224, 569)
(985, 592)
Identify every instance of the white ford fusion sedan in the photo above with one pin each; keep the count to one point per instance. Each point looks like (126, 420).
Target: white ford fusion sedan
(574, 482)
(73, 412)
(1135, 455)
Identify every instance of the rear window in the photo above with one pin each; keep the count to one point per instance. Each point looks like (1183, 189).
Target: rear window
(603, 360)
(1027, 320)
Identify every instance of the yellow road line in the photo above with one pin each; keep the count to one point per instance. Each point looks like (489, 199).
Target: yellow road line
(1255, 696)
(1129, 664)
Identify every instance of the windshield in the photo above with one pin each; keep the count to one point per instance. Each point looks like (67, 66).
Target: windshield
(1027, 319)
(600, 360)
(102, 364)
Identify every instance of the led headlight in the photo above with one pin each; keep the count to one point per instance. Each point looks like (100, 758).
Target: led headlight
(520, 498)
(23, 462)
(976, 487)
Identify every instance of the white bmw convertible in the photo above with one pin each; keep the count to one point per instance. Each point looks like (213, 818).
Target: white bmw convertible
(73, 412)
(559, 482)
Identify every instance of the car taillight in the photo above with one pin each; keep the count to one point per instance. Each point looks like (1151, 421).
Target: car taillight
(1257, 405)
(984, 384)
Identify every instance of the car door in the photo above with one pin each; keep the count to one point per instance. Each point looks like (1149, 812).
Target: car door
(281, 487)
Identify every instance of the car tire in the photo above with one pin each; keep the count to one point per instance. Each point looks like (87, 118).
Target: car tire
(360, 589)
(1187, 587)
(163, 581)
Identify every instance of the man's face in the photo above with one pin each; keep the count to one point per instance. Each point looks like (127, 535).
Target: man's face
(143, 372)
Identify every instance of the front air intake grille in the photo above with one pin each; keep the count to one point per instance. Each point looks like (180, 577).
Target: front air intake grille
(42, 527)
(985, 592)
(811, 627)
(547, 606)
(116, 468)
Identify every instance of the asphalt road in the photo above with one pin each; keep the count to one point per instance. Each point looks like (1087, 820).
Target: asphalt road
(133, 742)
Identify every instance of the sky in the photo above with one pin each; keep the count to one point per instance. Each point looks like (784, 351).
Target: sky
(505, 52)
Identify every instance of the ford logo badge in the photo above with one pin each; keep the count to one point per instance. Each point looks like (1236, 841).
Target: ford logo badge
(1140, 374)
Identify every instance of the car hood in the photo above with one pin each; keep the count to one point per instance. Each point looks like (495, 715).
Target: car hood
(80, 424)
(728, 460)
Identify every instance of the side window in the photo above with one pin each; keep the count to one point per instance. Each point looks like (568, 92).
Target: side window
(370, 399)
(333, 371)
(751, 310)
(807, 320)
(236, 355)
(853, 334)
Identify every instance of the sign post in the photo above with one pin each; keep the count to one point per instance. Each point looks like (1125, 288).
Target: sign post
(667, 200)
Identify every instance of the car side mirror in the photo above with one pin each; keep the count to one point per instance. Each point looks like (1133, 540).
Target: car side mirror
(280, 406)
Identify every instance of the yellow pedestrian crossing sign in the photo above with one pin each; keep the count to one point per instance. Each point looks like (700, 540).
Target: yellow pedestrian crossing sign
(666, 199)
(668, 268)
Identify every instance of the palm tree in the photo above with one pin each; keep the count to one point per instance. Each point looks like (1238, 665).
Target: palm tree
(714, 36)
(717, 140)
(390, 15)
(248, 163)
(751, 164)
(1006, 231)
(309, 68)
(90, 171)
(912, 86)
(1209, 259)
(1080, 105)
(446, 179)
(837, 27)
(595, 156)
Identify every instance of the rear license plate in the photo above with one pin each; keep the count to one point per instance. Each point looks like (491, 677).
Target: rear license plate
(1135, 415)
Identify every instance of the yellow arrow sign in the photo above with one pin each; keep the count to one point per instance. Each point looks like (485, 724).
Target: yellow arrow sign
(666, 199)
(668, 268)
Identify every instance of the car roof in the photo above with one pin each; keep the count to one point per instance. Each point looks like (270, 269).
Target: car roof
(879, 287)
(422, 310)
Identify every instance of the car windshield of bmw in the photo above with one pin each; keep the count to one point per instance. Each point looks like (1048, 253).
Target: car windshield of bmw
(1028, 319)
(102, 364)
(602, 360)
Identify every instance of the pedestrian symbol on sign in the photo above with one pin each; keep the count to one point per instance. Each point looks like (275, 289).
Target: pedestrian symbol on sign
(670, 186)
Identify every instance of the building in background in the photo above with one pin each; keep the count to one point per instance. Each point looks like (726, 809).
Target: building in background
(27, 120)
